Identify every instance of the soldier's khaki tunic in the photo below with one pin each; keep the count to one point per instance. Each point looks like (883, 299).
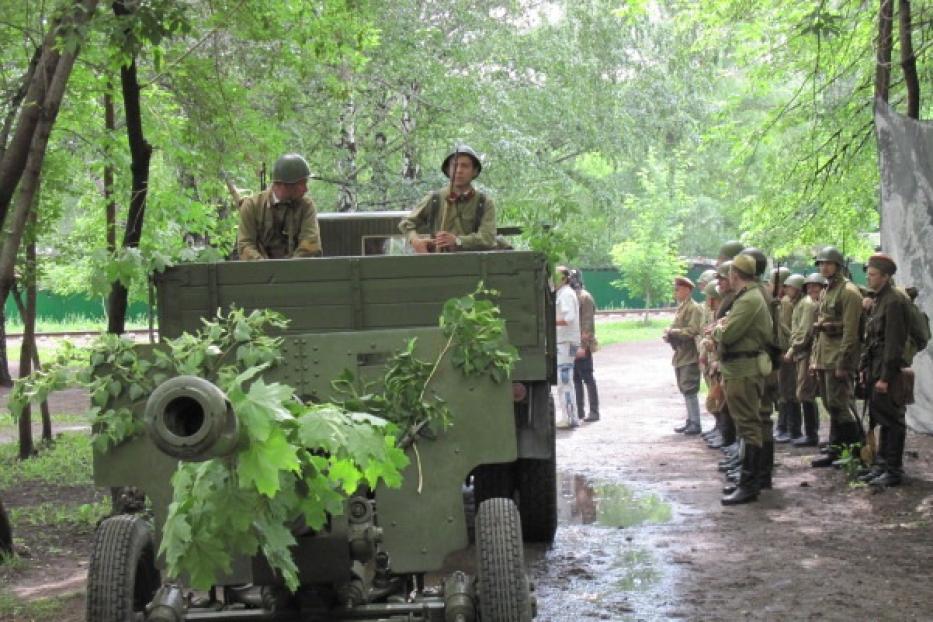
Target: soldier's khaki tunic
(743, 338)
(457, 218)
(836, 345)
(885, 340)
(270, 230)
(801, 341)
(787, 377)
(687, 325)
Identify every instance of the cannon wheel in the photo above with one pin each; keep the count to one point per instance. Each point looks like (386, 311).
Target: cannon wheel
(504, 593)
(122, 577)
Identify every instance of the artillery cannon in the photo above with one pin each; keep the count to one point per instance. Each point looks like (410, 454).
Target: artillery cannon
(387, 555)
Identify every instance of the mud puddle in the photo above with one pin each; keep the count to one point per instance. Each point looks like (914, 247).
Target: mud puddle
(607, 561)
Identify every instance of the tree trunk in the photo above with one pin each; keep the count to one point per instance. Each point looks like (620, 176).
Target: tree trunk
(26, 445)
(140, 152)
(31, 273)
(29, 175)
(647, 305)
(410, 169)
(348, 200)
(5, 379)
(40, 103)
(6, 533)
(909, 60)
(883, 66)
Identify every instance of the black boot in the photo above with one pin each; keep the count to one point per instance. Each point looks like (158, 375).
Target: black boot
(682, 428)
(833, 435)
(727, 428)
(811, 426)
(780, 434)
(766, 466)
(747, 489)
(593, 395)
(894, 459)
(794, 420)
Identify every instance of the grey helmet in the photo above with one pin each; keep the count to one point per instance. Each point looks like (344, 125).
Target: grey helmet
(794, 280)
(815, 278)
(465, 150)
(782, 273)
(706, 277)
(290, 169)
(830, 253)
(730, 249)
(761, 262)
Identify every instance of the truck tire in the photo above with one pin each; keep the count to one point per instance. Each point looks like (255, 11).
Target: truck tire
(537, 499)
(503, 591)
(537, 490)
(493, 480)
(122, 577)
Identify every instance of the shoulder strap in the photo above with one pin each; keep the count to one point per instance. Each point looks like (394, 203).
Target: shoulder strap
(480, 212)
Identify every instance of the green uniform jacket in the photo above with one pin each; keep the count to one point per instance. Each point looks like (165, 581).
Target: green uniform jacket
(280, 231)
(886, 334)
(687, 324)
(455, 218)
(801, 328)
(587, 319)
(747, 331)
(786, 315)
(836, 344)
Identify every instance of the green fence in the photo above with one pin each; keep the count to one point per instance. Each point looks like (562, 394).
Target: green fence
(53, 307)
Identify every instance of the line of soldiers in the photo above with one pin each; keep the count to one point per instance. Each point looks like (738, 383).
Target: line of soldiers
(781, 342)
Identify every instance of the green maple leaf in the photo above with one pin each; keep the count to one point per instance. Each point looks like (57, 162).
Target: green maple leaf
(259, 465)
(262, 406)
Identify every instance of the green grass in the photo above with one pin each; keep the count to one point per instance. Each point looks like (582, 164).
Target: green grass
(41, 609)
(628, 331)
(67, 462)
(73, 323)
(53, 514)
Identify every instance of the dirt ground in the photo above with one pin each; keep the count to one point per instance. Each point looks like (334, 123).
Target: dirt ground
(644, 537)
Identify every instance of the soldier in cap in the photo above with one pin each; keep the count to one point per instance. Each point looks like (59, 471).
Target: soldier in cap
(743, 337)
(883, 361)
(681, 335)
(281, 222)
(583, 365)
(457, 217)
(798, 353)
(836, 352)
(789, 419)
(725, 439)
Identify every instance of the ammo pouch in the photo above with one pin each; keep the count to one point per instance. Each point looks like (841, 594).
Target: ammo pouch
(765, 362)
(902, 388)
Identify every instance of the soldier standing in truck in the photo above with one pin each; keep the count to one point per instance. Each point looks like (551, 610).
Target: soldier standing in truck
(457, 217)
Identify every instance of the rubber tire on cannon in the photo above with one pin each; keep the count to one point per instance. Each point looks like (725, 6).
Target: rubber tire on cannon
(503, 590)
(122, 577)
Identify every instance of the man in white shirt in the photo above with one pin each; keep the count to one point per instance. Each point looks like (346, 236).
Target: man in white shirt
(567, 313)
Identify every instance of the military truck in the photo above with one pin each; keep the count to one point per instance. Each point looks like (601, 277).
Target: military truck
(350, 310)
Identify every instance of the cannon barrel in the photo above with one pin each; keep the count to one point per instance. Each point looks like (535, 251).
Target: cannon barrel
(190, 418)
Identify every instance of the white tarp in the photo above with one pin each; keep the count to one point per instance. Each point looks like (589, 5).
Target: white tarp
(905, 149)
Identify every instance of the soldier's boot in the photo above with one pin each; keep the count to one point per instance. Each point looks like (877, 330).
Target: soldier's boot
(831, 451)
(878, 463)
(794, 420)
(780, 433)
(693, 414)
(578, 388)
(727, 428)
(851, 438)
(811, 426)
(747, 489)
(766, 466)
(715, 439)
(593, 395)
(712, 432)
(728, 464)
(894, 459)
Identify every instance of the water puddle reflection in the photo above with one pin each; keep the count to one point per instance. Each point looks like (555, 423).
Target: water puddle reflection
(584, 502)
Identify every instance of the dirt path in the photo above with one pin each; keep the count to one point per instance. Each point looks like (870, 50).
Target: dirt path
(644, 537)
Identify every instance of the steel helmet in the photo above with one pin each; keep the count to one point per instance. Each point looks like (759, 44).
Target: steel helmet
(794, 280)
(730, 249)
(830, 253)
(722, 270)
(761, 262)
(705, 277)
(744, 264)
(290, 169)
(782, 273)
(712, 292)
(815, 278)
(465, 150)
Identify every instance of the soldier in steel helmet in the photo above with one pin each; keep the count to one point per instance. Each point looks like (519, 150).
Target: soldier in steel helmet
(789, 418)
(682, 334)
(882, 365)
(743, 336)
(798, 354)
(281, 222)
(836, 352)
(457, 217)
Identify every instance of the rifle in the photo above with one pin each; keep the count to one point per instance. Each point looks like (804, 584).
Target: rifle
(775, 350)
(451, 173)
(262, 177)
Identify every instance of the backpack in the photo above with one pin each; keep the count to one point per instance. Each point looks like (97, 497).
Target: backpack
(436, 208)
(918, 331)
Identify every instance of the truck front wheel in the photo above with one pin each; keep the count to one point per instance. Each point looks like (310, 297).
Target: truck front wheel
(503, 590)
(122, 577)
